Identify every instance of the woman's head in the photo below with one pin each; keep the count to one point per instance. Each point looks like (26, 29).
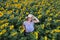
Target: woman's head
(29, 17)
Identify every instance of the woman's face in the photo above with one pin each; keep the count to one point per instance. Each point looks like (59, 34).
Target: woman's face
(29, 18)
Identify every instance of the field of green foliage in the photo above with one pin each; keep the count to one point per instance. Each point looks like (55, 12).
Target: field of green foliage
(13, 13)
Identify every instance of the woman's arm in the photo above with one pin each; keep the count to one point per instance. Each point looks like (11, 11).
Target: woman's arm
(24, 27)
(36, 19)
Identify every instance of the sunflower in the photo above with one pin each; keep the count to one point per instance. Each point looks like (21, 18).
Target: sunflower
(1, 14)
(11, 27)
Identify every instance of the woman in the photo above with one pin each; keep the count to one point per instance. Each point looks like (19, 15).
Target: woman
(29, 23)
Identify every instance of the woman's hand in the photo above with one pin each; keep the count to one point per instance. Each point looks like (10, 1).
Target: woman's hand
(36, 19)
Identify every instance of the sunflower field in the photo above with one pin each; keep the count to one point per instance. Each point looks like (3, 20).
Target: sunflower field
(13, 13)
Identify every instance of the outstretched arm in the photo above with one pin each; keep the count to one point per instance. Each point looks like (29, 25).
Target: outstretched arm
(36, 19)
